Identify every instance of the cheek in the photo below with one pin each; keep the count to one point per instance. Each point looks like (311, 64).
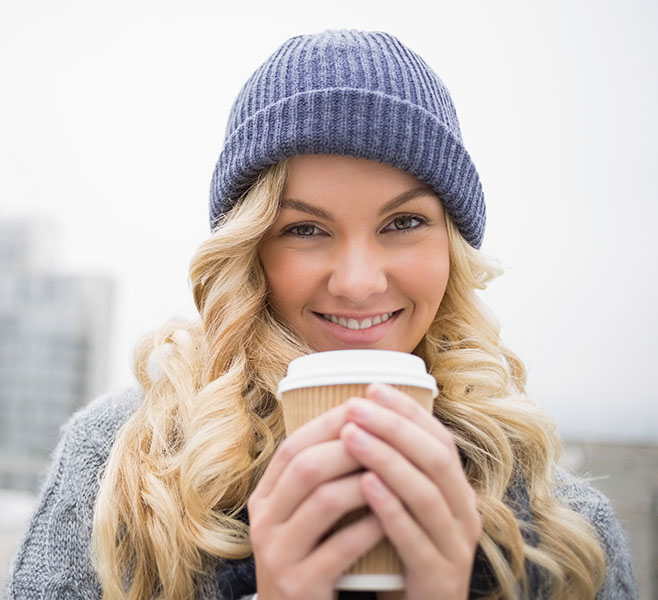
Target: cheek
(432, 286)
(290, 281)
(425, 278)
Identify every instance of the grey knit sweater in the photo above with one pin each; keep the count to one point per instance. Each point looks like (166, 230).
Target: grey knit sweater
(53, 561)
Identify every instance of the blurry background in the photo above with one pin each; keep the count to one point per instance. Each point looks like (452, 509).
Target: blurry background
(112, 116)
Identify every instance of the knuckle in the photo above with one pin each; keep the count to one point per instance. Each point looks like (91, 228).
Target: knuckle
(454, 451)
(254, 501)
(426, 499)
(393, 426)
(395, 514)
(350, 548)
(476, 527)
(326, 500)
(466, 554)
(470, 499)
(452, 585)
(441, 460)
(353, 540)
(415, 411)
(306, 467)
(448, 439)
(257, 534)
(475, 521)
(474, 501)
(253, 510)
(427, 559)
(294, 586)
(287, 450)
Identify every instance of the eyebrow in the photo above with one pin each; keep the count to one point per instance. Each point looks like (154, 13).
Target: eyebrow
(396, 202)
(405, 197)
(305, 207)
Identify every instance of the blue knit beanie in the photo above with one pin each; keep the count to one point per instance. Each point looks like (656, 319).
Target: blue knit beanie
(353, 93)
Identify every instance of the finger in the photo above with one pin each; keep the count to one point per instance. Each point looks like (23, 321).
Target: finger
(424, 500)
(322, 510)
(305, 472)
(342, 549)
(437, 460)
(415, 549)
(399, 402)
(321, 429)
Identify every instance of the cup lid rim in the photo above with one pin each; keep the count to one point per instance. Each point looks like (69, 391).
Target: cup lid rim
(337, 367)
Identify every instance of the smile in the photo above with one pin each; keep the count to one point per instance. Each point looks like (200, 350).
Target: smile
(366, 323)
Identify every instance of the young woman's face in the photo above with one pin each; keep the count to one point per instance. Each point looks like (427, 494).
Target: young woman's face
(358, 256)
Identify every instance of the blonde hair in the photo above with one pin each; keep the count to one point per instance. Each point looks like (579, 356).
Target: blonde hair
(182, 467)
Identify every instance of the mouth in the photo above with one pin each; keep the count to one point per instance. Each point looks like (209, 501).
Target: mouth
(357, 323)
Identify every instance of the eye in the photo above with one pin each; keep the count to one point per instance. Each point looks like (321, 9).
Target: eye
(405, 223)
(303, 230)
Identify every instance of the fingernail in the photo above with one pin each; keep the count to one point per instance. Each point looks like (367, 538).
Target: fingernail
(355, 435)
(382, 393)
(360, 410)
(376, 485)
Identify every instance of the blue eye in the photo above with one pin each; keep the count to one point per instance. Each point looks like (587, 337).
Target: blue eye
(404, 223)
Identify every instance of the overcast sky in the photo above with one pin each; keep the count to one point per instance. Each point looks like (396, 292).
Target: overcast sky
(112, 116)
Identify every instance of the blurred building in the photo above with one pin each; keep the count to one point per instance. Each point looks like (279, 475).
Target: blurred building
(628, 475)
(54, 331)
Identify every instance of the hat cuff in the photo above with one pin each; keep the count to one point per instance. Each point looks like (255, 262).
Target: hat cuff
(360, 123)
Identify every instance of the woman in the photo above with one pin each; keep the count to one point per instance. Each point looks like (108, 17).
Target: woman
(346, 213)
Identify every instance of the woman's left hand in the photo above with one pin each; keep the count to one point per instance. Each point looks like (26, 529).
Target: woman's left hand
(416, 486)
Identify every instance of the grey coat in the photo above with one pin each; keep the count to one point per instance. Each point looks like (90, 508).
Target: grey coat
(53, 561)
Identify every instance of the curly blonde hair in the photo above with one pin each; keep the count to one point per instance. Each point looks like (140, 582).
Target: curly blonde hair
(182, 467)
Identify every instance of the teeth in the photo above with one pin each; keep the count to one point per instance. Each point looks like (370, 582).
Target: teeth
(354, 324)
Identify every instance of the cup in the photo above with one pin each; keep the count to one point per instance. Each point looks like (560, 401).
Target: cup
(318, 382)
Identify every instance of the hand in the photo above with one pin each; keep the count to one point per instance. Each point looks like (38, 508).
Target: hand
(418, 489)
(309, 484)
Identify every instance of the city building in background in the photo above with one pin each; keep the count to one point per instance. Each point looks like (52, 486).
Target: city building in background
(54, 338)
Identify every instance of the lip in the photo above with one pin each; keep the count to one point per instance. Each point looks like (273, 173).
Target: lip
(358, 337)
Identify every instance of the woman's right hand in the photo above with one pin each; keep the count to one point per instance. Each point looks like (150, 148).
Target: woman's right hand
(309, 484)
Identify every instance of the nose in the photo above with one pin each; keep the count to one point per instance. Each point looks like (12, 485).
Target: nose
(358, 272)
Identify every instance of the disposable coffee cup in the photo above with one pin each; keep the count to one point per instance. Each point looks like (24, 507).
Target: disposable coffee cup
(318, 382)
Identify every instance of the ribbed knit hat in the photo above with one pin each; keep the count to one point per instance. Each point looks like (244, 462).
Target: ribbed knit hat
(355, 93)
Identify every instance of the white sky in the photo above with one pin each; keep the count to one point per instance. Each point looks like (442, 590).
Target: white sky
(112, 116)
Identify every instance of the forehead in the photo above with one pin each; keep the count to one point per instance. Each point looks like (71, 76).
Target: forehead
(330, 173)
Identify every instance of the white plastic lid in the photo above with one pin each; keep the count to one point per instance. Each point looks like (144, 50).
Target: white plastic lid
(371, 582)
(357, 366)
